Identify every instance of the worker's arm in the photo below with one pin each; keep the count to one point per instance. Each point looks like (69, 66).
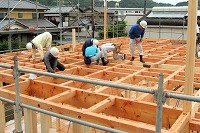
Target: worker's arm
(49, 42)
(40, 50)
(47, 63)
(33, 53)
(55, 64)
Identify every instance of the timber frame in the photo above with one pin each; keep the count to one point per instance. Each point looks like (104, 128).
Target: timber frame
(128, 111)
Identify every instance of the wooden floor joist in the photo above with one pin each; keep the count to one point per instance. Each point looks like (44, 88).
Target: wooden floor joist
(128, 111)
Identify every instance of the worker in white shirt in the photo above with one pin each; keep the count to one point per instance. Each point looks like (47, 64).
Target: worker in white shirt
(112, 47)
(41, 41)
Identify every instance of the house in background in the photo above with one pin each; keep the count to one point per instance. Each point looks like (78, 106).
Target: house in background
(167, 22)
(25, 21)
(68, 15)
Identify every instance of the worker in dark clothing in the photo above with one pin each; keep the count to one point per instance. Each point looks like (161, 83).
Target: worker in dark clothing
(136, 33)
(51, 60)
(88, 43)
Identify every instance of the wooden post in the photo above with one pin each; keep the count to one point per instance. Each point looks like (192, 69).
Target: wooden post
(30, 121)
(45, 123)
(2, 116)
(57, 124)
(77, 128)
(105, 19)
(73, 39)
(190, 53)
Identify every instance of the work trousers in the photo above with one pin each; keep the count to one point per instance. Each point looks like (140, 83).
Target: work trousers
(132, 44)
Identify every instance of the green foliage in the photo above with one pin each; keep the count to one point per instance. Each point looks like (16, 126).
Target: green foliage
(100, 3)
(3, 45)
(116, 30)
(14, 44)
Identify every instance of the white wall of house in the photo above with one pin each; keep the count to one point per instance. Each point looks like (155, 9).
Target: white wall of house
(154, 31)
(131, 20)
(170, 32)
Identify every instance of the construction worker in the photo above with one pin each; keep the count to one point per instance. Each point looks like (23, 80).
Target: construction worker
(92, 53)
(136, 33)
(89, 42)
(51, 60)
(41, 41)
(115, 48)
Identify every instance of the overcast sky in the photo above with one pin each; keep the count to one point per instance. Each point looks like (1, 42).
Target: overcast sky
(173, 2)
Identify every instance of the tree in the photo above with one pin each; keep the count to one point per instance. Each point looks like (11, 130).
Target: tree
(116, 30)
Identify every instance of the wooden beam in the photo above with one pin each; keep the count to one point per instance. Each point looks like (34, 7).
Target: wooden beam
(180, 123)
(190, 53)
(2, 116)
(30, 121)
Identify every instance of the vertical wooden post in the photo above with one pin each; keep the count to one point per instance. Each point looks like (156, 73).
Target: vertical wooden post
(73, 39)
(190, 52)
(77, 128)
(105, 19)
(127, 93)
(2, 116)
(45, 123)
(57, 124)
(30, 121)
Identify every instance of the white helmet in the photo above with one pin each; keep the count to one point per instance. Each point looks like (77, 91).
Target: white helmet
(143, 23)
(95, 42)
(29, 45)
(54, 51)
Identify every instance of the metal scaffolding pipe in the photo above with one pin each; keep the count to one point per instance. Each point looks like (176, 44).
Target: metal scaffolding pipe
(17, 93)
(183, 97)
(111, 130)
(159, 104)
(92, 81)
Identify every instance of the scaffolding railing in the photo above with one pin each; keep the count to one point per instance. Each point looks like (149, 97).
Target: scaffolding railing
(159, 95)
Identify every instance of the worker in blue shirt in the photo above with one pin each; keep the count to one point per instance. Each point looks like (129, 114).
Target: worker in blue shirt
(89, 42)
(92, 53)
(136, 34)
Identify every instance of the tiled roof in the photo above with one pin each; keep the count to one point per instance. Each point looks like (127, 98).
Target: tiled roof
(21, 5)
(100, 10)
(5, 23)
(42, 23)
(57, 9)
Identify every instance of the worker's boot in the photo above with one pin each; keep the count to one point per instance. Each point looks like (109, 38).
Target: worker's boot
(132, 58)
(104, 61)
(141, 59)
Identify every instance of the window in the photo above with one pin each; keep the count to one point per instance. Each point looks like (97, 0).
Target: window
(20, 15)
(2, 15)
(72, 18)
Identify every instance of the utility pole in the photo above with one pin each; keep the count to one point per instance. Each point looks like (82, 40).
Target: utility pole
(9, 37)
(37, 14)
(93, 27)
(145, 6)
(105, 19)
(60, 26)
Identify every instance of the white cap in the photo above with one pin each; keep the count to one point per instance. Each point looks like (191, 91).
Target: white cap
(95, 42)
(54, 51)
(29, 45)
(143, 24)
